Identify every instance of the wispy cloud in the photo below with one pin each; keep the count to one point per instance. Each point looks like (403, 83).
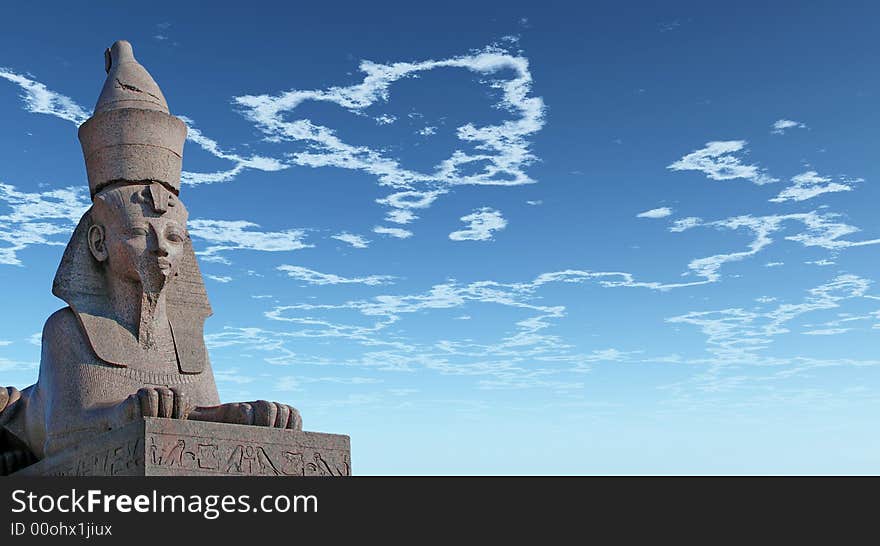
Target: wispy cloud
(661, 212)
(316, 277)
(668, 26)
(481, 224)
(827, 332)
(718, 162)
(219, 278)
(8, 365)
(41, 100)
(211, 146)
(393, 232)
(502, 152)
(385, 119)
(530, 356)
(809, 184)
(354, 240)
(36, 218)
(736, 336)
(226, 235)
(683, 224)
(780, 126)
(400, 216)
(820, 230)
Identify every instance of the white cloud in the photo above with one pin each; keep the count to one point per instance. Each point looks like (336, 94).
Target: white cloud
(822, 262)
(781, 125)
(821, 230)
(7, 365)
(385, 119)
(354, 240)
(685, 224)
(400, 216)
(526, 357)
(241, 163)
(661, 212)
(41, 100)
(36, 218)
(316, 277)
(827, 332)
(482, 223)
(393, 232)
(809, 184)
(718, 162)
(735, 336)
(428, 131)
(219, 278)
(232, 376)
(535, 203)
(501, 151)
(774, 264)
(225, 235)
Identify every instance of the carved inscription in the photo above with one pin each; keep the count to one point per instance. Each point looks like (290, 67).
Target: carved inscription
(230, 457)
(119, 459)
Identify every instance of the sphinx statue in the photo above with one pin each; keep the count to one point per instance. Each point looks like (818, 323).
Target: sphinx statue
(130, 342)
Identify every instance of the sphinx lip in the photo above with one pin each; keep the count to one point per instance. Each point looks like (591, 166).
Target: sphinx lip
(164, 263)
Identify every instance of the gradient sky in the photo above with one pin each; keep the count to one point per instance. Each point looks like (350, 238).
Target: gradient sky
(499, 238)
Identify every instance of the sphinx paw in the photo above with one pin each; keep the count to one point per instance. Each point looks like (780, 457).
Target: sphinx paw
(167, 402)
(260, 413)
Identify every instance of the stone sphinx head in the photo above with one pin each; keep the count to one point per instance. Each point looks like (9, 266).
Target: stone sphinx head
(138, 233)
(134, 237)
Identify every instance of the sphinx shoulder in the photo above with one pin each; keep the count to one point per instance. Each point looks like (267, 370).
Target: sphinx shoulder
(63, 336)
(62, 322)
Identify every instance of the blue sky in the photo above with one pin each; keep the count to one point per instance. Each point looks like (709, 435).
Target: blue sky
(500, 238)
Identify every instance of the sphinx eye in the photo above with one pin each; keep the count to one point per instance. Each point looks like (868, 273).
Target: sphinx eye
(139, 232)
(174, 236)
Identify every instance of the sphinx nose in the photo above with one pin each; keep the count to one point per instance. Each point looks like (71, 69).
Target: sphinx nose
(161, 247)
(159, 244)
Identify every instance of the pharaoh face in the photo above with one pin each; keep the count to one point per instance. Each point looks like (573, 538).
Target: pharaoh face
(139, 231)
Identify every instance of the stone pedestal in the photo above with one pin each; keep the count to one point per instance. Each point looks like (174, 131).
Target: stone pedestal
(171, 447)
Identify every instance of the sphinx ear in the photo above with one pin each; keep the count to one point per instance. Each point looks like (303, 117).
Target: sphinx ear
(97, 242)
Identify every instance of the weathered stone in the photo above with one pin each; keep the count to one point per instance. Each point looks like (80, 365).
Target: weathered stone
(162, 447)
(130, 345)
(131, 136)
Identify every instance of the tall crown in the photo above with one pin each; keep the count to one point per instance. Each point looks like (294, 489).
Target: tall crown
(131, 137)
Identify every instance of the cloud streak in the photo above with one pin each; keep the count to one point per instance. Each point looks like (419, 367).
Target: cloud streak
(661, 212)
(355, 241)
(809, 184)
(317, 278)
(717, 160)
(36, 218)
(39, 99)
(226, 235)
(501, 152)
(481, 225)
(781, 125)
